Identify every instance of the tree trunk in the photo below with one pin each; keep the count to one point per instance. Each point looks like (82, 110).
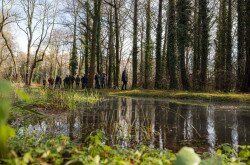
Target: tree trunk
(142, 54)
(87, 39)
(98, 42)
(220, 56)
(196, 39)
(148, 47)
(117, 45)
(246, 87)
(241, 42)
(183, 12)
(97, 13)
(73, 59)
(11, 53)
(228, 78)
(111, 49)
(204, 45)
(171, 54)
(135, 33)
(158, 51)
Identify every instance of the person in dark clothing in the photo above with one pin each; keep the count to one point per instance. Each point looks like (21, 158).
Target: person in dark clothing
(103, 80)
(66, 82)
(97, 81)
(72, 80)
(124, 79)
(51, 82)
(58, 82)
(77, 81)
(84, 81)
(44, 83)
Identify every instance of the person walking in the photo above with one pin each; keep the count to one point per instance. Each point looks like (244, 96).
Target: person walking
(58, 82)
(97, 81)
(103, 80)
(44, 83)
(124, 79)
(51, 82)
(66, 82)
(84, 81)
(72, 80)
(78, 80)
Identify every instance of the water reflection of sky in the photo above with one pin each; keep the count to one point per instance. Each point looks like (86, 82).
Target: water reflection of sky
(157, 123)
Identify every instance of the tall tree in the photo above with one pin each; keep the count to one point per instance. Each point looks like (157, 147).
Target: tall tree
(241, 28)
(148, 46)
(117, 43)
(220, 56)
(158, 51)
(228, 76)
(110, 49)
(31, 26)
(204, 41)
(74, 60)
(135, 48)
(98, 41)
(87, 37)
(171, 53)
(223, 57)
(164, 67)
(201, 44)
(196, 43)
(6, 18)
(183, 29)
(94, 41)
(246, 85)
(142, 54)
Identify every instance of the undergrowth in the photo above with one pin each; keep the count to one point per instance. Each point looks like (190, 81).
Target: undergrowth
(60, 150)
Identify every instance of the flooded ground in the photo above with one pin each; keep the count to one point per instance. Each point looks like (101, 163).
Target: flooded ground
(159, 123)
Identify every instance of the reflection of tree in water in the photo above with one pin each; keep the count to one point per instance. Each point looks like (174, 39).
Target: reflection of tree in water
(71, 121)
(211, 129)
(124, 120)
(234, 133)
(188, 125)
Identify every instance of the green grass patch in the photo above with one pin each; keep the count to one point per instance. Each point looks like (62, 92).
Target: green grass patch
(34, 98)
(215, 96)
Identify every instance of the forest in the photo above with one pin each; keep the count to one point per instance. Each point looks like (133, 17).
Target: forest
(124, 82)
(180, 45)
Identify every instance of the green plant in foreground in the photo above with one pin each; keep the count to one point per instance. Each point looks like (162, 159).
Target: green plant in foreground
(5, 131)
(31, 149)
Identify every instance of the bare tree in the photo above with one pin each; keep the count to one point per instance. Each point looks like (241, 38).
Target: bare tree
(37, 22)
(7, 17)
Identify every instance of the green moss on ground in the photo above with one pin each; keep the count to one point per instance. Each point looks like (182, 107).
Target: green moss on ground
(214, 96)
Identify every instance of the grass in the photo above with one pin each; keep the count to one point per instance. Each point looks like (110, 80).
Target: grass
(214, 96)
(35, 98)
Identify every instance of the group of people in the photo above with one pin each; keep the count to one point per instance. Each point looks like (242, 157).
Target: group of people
(70, 80)
(100, 80)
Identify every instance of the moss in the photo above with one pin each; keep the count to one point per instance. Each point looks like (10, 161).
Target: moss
(215, 96)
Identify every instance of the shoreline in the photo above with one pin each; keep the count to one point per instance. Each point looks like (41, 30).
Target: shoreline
(183, 95)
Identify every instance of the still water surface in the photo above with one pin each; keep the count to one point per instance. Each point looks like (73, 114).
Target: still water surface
(159, 123)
